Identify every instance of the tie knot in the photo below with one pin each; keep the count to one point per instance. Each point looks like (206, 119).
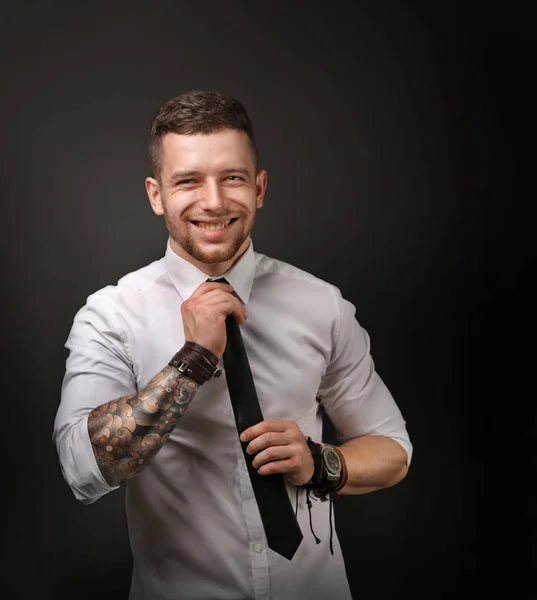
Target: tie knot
(224, 280)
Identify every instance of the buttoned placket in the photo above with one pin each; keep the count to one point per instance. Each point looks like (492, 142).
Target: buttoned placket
(258, 549)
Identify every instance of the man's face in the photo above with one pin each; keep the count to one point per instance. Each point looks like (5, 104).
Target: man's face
(208, 193)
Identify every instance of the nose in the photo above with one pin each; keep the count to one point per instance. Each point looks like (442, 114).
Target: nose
(213, 198)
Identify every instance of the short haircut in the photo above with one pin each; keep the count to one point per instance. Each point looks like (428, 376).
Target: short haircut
(197, 112)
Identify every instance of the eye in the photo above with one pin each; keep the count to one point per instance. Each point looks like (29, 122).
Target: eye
(234, 178)
(185, 181)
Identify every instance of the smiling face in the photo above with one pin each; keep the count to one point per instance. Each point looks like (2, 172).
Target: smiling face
(208, 192)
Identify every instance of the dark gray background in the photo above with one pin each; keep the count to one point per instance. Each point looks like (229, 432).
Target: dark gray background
(398, 139)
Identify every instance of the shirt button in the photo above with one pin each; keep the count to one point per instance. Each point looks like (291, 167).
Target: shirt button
(258, 548)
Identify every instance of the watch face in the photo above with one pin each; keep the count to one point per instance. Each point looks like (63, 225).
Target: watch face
(332, 462)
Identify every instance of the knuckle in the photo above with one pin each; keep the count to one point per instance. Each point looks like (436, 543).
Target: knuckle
(271, 453)
(269, 437)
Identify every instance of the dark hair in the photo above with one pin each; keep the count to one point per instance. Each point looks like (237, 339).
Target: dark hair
(197, 112)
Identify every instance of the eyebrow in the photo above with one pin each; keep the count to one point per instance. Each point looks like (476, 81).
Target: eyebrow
(237, 170)
(186, 174)
(182, 175)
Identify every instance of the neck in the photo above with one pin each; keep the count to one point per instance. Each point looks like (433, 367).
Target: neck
(210, 269)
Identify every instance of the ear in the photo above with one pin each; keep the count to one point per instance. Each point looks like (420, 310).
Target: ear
(260, 187)
(153, 192)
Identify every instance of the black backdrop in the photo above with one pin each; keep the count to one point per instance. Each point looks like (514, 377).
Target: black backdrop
(398, 139)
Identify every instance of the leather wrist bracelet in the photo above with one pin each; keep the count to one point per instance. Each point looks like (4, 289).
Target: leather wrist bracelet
(203, 353)
(319, 484)
(316, 454)
(196, 362)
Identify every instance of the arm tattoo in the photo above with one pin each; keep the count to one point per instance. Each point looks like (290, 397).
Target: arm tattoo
(126, 432)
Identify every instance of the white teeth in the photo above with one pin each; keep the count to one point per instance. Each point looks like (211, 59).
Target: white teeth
(213, 226)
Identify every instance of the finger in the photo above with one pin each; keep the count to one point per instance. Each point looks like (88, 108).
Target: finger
(208, 297)
(230, 306)
(218, 300)
(271, 454)
(263, 427)
(287, 465)
(211, 285)
(266, 440)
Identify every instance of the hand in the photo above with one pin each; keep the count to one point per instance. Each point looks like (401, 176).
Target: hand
(281, 448)
(204, 315)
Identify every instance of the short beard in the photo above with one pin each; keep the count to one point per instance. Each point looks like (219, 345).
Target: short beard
(208, 258)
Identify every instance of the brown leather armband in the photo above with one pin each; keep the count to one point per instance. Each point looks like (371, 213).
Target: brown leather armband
(196, 362)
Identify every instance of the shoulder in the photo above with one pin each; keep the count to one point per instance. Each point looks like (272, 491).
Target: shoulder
(275, 271)
(298, 287)
(268, 267)
(129, 293)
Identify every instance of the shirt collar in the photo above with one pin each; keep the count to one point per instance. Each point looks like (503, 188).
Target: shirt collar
(186, 277)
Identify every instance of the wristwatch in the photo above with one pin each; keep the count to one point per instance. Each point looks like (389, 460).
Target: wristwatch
(327, 467)
(331, 462)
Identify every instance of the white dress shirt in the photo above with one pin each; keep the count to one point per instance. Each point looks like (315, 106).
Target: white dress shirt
(193, 523)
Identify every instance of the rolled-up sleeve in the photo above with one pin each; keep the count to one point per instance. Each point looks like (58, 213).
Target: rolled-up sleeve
(351, 392)
(97, 370)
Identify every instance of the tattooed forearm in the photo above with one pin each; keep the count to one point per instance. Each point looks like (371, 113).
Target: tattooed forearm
(126, 432)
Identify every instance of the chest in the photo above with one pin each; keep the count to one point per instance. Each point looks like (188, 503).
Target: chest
(287, 356)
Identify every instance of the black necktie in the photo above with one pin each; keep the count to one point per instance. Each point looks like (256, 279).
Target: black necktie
(279, 521)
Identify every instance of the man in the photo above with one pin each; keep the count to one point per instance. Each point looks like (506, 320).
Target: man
(128, 414)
